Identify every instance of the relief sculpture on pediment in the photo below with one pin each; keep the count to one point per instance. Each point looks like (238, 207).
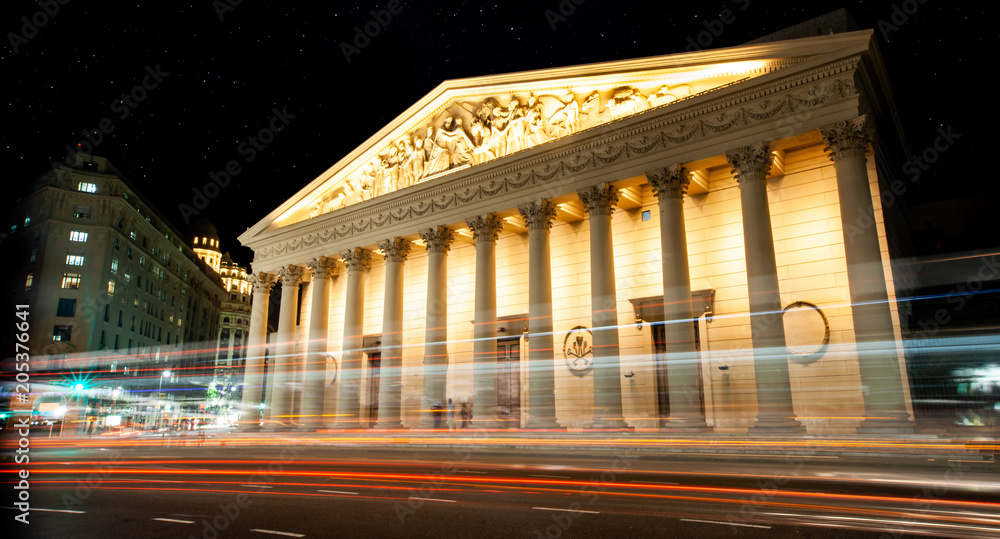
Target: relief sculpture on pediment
(472, 133)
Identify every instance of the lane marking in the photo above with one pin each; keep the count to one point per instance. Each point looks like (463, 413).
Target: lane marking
(726, 523)
(272, 532)
(174, 520)
(567, 510)
(552, 476)
(257, 486)
(654, 482)
(337, 491)
(432, 499)
(58, 510)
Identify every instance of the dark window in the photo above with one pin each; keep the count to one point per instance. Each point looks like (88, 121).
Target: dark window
(119, 320)
(107, 311)
(82, 212)
(67, 307)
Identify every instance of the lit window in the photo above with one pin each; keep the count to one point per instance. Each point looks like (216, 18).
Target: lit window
(132, 234)
(13, 229)
(61, 333)
(34, 256)
(111, 287)
(71, 280)
(27, 282)
(74, 260)
(66, 307)
(78, 235)
(82, 212)
(196, 241)
(142, 260)
(114, 265)
(87, 187)
(27, 221)
(127, 277)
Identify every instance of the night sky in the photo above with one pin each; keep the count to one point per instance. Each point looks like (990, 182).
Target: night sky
(221, 80)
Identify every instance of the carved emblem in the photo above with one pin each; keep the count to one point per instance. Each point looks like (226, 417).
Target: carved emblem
(578, 350)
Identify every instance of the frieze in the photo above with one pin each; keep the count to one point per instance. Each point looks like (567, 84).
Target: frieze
(816, 88)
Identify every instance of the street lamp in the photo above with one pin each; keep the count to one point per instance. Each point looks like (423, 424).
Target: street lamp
(159, 397)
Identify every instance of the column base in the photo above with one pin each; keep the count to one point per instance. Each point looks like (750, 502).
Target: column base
(886, 425)
(389, 425)
(783, 425)
(684, 425)
(543, 424)
(609, 424)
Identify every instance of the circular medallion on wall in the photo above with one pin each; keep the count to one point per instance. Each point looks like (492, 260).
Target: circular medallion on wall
(807, 331)
(578, 350)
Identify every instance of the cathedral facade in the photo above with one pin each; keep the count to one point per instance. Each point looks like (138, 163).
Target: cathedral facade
(690, 242)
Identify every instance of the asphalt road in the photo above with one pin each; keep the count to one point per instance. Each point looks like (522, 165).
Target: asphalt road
(291, 490)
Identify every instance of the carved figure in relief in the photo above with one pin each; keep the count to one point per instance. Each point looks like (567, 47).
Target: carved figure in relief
(534, 130)
(588, 110)
(566, 119)
(624, 102)
(390, 165)
(515, 126)
(414, 165)
(668, 95)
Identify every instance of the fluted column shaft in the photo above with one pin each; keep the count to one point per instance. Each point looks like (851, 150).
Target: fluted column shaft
(775, 412)
(683, 387)
(885, 404)
(358, 261)
(538, 216)
(438, 241)
(390, 376)
(486, 229)
(253, 373)
(314, 384)
(600, 201)
(284, 360)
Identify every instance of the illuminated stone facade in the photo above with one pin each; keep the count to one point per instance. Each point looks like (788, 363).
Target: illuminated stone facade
(602, 246)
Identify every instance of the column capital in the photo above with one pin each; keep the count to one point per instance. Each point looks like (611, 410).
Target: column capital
(290, 275)
(323, 267)
(357, 259)
(847, 139)
(485, 227)
(262, 282)
(669, 182)
(438, 239)
(395, 249)
(539, 214)
(599, 199)
(751, 162)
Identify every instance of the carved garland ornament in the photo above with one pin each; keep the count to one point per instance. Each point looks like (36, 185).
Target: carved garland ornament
(658, 133)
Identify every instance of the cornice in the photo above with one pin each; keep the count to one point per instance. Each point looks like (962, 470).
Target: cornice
(722, 111)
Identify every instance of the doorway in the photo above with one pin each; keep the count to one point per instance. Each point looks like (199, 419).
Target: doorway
(509, 381)
(662, 380)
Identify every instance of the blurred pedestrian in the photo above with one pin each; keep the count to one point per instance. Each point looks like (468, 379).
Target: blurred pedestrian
(451, 415)
(437, 412)
(466, 413)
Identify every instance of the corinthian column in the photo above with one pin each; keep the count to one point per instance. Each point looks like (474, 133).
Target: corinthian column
(358, 262)
(391, 378)
(750, 165)
(486, 229)
(683, 389)
(253, 373)
(538, 216)
(885, 404)
(600, 201)
(285, 360)
(314, 385)
(438, 241)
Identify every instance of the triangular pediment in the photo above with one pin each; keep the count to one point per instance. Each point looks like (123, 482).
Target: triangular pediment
(468, 123)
